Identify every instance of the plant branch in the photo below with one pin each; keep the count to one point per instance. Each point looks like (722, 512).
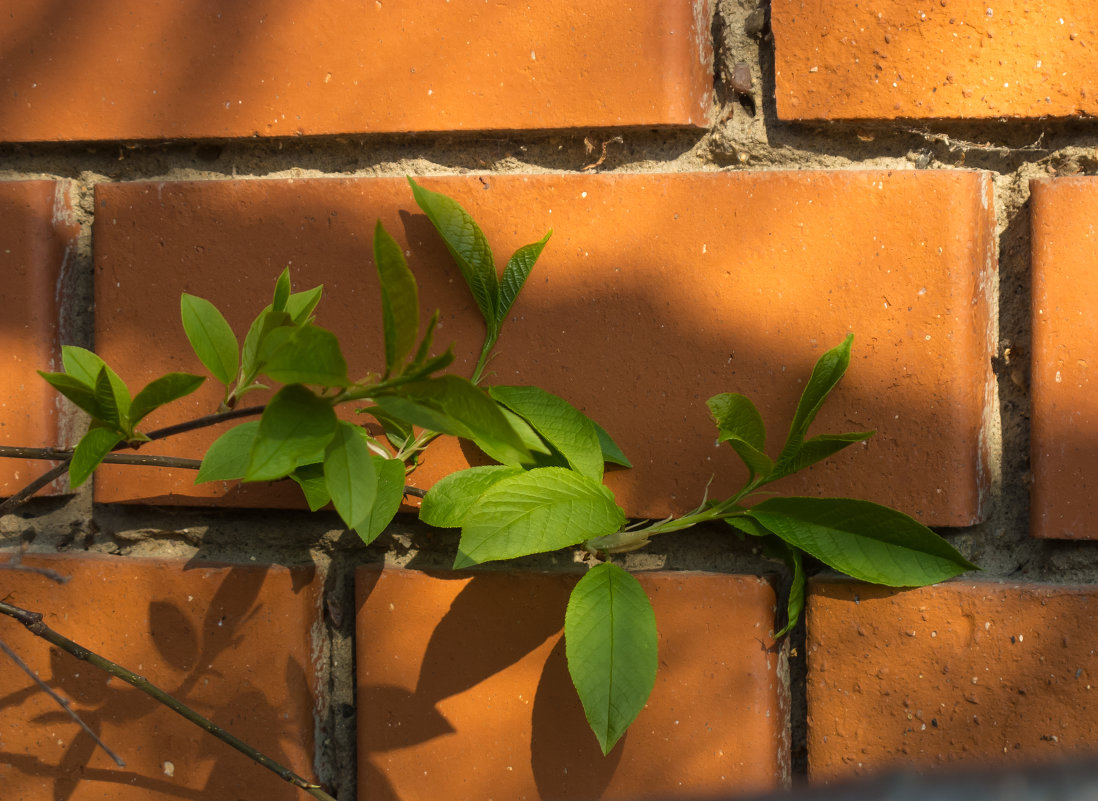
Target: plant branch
(204, 422)
(64, 703)
(34, 624)
(19, 498)
(145, 460)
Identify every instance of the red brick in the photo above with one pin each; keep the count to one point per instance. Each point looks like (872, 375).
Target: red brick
(655, 292)
(893, 59)
(233, 643)
(138, 70)
(975, 672)
(1064, 412)
(37, 247)
(463, 691)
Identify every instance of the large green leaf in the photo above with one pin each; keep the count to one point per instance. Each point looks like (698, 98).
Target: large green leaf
(515, 274)
(399, 298)
(211, 337)
(227, 459)
(159, 391)
(295, 424)
(89, 452)
(825, 375)
(534, 512)
(350, 475)
(863, 539)
(741, 426)
(469, 247)
(304, 354)
(612, 648)
(310, 477)
(390, 493)
(450, 500)
(455, 406)
(562, 425)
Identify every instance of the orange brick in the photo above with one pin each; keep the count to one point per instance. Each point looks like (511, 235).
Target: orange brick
(463, 691)
(37, 247)
(978, 672)
(134, 70)
(655, 292)
(893, 59)
(231, 642)
(1064, 412)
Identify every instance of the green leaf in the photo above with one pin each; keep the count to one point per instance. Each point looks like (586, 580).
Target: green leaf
(310, 477)
(562, 425)
(89, 452)
(211, 337)
(534, 512)
(741, 426)
(450, 500)
(455, 406)
(390, 493)
(515, 274)
(418, 370)
(399, 298)
(300, 305)
(350, 475)
(817, 449)
(227, 459)
(113, 403)
(295, 424)
(265, 322)
(282, 291)
(303, 355)
(81, 364)
(612, 648)
(165, 389)
(76, 391)
(825, 375)
(468, 246)
(425, 343)
(610, 450)
(398, 432)
(863, 539)
(777, 548)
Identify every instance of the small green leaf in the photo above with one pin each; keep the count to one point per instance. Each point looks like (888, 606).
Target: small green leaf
(515, 274)
(450, 500)
(562, 425)
(390, 493)
(455, 406)
(350, 475)
(227, 459)
(111, 403)
(399, 298)
(418, 370)
(817, 449)
(536, 511)
(295, 424)
(300, 305)
(165, 389)
(76, 391)
(425, 343)
(612, 646)
(863, 539)
(282, 291)
(741, 426)
(211, 337)
(265, 322)
(468, 246)
(825, 375)
(89, 452)
(398, 432)
(777, 548)
(303, 355)
(310, 477)
(610, 450)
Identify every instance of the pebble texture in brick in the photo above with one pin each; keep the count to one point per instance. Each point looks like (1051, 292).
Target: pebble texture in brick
(974, 672)
(135, 70)
(892, 59)
(655, 292)
(37, 247)
(231, 642)
(463, 691)
(1063, 447)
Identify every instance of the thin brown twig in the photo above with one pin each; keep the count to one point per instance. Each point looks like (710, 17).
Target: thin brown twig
(64, 703)
(139, 459)
(34, 624)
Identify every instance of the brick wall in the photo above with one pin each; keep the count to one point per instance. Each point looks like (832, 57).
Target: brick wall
(732, 190)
